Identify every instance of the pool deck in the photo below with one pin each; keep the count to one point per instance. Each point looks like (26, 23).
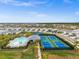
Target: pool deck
(66, 39)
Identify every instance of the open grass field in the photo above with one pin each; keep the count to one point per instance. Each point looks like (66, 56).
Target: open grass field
(27, 53)
(5, 38)
(60, 54)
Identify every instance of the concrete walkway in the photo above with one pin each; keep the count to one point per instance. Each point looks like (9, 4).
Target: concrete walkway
(39, 52)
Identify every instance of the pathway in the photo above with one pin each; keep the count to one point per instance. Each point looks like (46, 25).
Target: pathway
(39, 52)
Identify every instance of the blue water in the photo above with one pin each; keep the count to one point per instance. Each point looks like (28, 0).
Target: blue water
(21, 39)
(17, 42)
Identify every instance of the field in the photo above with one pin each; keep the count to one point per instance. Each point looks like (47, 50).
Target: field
(60, 54)
(18, 53)
(15, 53)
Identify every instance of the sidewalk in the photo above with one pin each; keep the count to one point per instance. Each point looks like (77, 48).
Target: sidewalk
(39, 52)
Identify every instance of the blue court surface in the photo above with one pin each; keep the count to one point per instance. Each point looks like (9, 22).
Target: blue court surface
(50, 42)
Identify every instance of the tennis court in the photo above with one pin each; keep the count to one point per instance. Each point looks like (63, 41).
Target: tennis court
(53, 42)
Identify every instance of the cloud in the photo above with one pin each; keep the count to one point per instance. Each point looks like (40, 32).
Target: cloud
(32, 2)
(77, 13)
(37, 14)
(26, 3)
(29, 14)
(67, 1)
(23, 4)
(32, 13)
(44, 2)
(42, 15)
(15, 2)
(5, 16)
(6, 1)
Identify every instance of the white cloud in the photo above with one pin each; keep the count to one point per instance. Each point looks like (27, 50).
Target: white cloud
(15, 2)
(32, 2)
(33, 13)
(41, 1)
(47, 3)
(37, 14)
(42, 15)
(67, 1)
(5, 16)
(77, 13)
(6, 1)
(28, 15)
(23, 3)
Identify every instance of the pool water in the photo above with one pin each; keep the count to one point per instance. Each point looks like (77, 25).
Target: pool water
(17, 42)
(21, 39)
(49, 42)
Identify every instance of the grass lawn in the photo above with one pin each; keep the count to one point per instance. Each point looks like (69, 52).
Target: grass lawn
(27, 53)
(9, 54)
(5, 38)
(18, 54)
(61, 53)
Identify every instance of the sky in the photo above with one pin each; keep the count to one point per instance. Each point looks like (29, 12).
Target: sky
(39, 11)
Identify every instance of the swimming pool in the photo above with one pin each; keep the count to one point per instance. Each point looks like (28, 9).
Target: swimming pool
(17, 42)
(22, 41)
(53, 42)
